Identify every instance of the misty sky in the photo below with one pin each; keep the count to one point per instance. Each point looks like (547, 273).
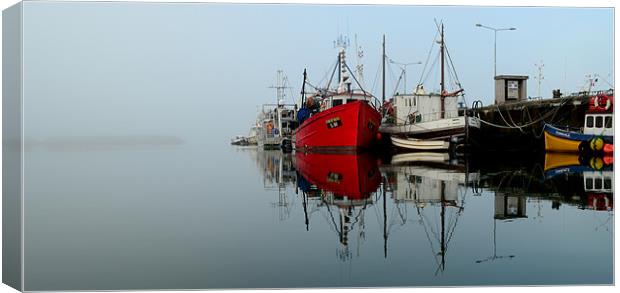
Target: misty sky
(203, 70)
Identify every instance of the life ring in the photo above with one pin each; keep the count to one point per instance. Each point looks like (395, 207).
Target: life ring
(603, 98)
(269, 127)
(596, 163)
(597, 144)
(595, 203)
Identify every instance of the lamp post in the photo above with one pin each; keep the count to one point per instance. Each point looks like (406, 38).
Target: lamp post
(495, 30)
(403, 67)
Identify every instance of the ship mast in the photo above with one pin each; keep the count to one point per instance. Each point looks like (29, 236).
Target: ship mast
(383, 66)
(360, 67)
(344, 85)
(385, 236)
(442, 93)
(303, 90)
(281, 85)
(443, 225)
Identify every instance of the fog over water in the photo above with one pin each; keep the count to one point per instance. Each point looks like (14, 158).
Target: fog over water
(203, 70)
(130, 181)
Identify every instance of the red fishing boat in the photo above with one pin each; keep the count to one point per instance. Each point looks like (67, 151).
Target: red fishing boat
(341, 119)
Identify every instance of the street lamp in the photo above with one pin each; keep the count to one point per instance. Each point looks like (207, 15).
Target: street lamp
(495, 30)
(403, 67)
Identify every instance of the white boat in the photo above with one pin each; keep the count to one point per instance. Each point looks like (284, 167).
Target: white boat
(253, 136)
(430, 116)
(277, 121)
(239, 140)
(428, 157)
(419, 144)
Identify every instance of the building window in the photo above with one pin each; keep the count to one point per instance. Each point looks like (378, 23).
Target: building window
(589, 121)
(599, 122)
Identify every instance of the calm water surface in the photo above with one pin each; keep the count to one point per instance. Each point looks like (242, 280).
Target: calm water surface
(165, 213)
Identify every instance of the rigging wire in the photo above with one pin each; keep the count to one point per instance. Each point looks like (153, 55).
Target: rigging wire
(374, 84)
(327, 72)
(432, 70)
(428, 56)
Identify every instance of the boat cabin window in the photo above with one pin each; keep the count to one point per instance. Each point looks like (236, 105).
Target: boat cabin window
(336, 102)
(608, 123)
(598, 183)
(607, 183)
(350, 100)
(589, 121)
(599, 121)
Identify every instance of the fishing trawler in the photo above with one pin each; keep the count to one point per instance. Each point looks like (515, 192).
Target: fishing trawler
(277, 121)
(430, 121)
(597, 134)
(340, 119)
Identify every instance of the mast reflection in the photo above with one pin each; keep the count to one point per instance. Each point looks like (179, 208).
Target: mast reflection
(428, 192)
(342, 184)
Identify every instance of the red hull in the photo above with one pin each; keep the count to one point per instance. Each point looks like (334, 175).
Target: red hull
(355, 176)
(350, 126)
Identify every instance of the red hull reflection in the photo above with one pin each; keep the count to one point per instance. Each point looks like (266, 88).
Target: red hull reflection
(354, 176)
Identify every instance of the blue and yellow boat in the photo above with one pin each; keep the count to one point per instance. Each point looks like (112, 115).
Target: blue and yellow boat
(558, 140)
(596, 136)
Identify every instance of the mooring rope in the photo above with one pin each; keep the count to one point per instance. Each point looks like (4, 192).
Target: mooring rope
(515, 126)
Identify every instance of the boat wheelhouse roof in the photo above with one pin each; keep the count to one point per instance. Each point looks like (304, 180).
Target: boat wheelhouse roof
(345, 94)
(417, 95)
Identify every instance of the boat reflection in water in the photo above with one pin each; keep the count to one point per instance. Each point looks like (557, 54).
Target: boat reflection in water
(278, 170)
(436, 188)
(346, 184)
(370, 203)
(591, 176)
(342, 184)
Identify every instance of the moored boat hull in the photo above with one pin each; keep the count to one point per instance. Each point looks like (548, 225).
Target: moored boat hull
(557, 140)
(460, 131)
(347, 127)
(418, 144)
(423, 157)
